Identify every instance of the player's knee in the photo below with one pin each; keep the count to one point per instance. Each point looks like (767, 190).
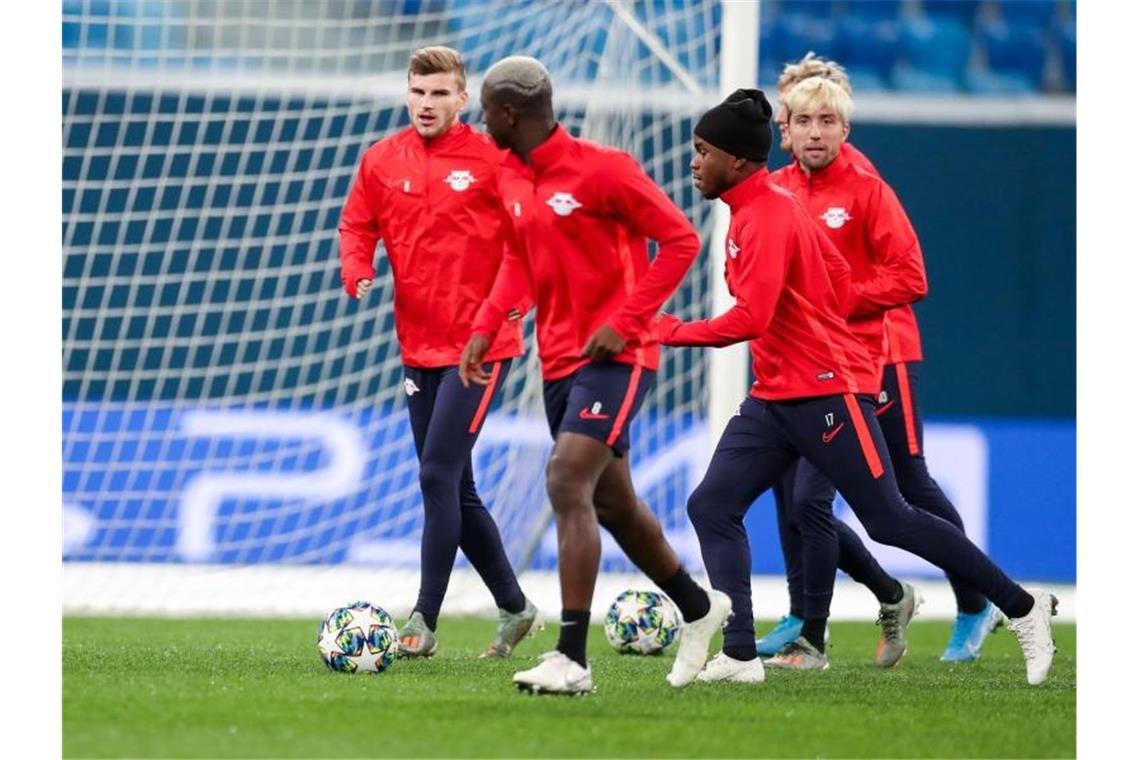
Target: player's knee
(889, 526)
(437, 478)
(702, 508)
(564, 486)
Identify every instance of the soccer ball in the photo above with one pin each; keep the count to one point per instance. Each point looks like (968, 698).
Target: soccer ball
(358, 638)
(642, 622)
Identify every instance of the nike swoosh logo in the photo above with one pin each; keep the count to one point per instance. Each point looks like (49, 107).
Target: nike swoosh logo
(586, 414)
(829, 435)
(884, 407)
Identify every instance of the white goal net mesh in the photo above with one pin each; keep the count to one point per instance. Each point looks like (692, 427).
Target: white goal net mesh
(224, 401)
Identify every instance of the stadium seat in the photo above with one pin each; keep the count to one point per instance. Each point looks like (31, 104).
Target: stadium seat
(794, 35)
(872, 10)
(1015, 49)
(1038, 13)
(867, 80)
(994, 83)
(1067, 41)
(872, 46)
(906, 78)
(965, 12)
(937, 46)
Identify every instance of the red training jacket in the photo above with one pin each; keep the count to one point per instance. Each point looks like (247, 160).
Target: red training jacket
(862, 216)
(581, 213)
(784, 275)
(903, 341)
(435, 206)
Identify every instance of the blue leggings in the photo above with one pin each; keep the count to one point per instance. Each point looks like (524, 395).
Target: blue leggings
(804, 516)
(446, 419)
(840, 435)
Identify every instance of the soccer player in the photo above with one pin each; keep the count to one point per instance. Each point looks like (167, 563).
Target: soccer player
(813, 395)
(429, 192)
(581, 213)
(803, 492)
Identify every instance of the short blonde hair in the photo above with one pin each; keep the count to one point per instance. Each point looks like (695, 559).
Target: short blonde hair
(810, 66)
(815, 93)
(438, 59)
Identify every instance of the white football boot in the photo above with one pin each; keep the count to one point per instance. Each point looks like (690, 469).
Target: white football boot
(555, 674)
(724, 668)
(1035, 635)
(693, 649)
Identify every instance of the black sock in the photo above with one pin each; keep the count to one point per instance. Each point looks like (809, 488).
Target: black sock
(741, 653)
(515, 604)
(889, 593)
(813, 631)
(1023, 606)
(691, 599)
(431, 620)
(572, 635)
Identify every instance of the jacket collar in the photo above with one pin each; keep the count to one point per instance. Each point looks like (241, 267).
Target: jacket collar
(449, 139)
(828, 173)
(742, 192)
(551, 149)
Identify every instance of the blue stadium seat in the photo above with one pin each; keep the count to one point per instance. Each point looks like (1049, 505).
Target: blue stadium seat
(872, 46)
(867, 80)
(817, 9)
(937, 46)
(1015, 49)
(771, 57)
(794, 35)
(964, 12)
(994, 83)
(906, 78)
(1067, 39)
(1038, 13)
(873, 10)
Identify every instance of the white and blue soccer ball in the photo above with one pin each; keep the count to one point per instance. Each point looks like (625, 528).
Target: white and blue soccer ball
(358, 638)
(642, 622)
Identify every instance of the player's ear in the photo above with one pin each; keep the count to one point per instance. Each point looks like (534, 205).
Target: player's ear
(462, 100)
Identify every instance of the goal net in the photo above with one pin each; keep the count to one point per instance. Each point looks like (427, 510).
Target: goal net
(225, 404)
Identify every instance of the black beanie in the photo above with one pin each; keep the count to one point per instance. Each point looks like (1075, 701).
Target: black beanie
(741, 125)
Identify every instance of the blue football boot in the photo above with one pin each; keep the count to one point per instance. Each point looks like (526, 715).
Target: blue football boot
(786, 631)
(970, 632)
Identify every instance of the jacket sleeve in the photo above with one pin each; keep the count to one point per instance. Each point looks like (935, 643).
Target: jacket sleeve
(642, 206)
(898, 274)
(510, 297)
(359, 233)
(763, 261)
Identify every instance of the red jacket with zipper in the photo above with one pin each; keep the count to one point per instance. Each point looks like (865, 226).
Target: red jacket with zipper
(788, 282)
(903, 341)
(580, 215)
(434, 204)
(862, 216)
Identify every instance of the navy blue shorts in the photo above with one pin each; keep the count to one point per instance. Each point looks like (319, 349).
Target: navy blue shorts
(599, 400)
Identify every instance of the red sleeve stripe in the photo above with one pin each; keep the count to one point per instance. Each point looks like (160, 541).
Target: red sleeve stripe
(485, 402)
(626, 403)
(907, 409)
(870, 453)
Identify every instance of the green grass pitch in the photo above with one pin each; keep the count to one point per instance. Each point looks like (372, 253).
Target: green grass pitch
(257, 688)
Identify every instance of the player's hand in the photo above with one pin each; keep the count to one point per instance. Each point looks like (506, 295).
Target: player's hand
(471, 362)
(362, 287)
(664, 327)
(603, 345)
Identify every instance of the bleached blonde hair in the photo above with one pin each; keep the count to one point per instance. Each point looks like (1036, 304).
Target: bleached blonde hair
(811, 66)
(816, 92)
